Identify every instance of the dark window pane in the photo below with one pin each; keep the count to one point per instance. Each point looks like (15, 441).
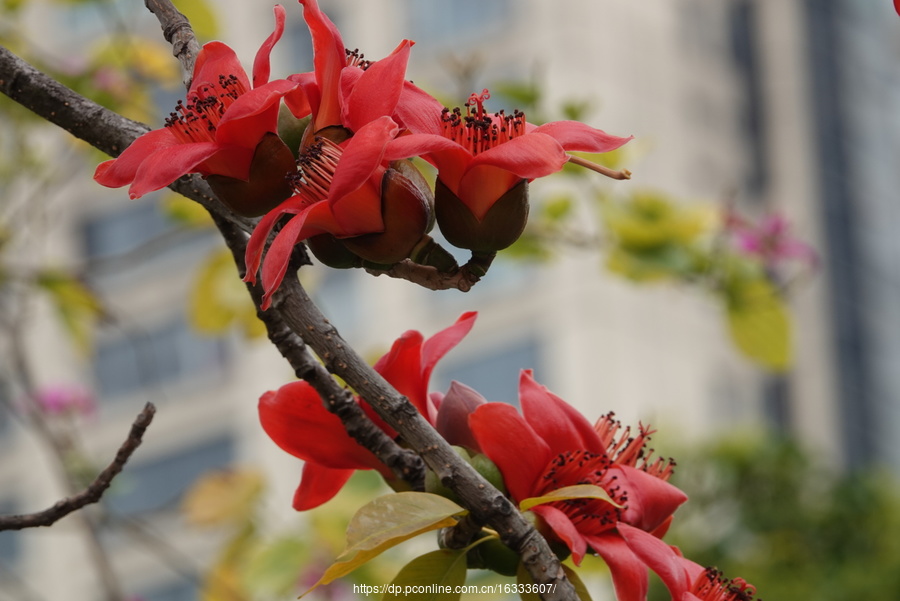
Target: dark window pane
(154, 485)
(166, 354)
(494, 375)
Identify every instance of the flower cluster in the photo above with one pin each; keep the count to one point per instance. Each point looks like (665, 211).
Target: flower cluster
(546, 447)
(351, 193)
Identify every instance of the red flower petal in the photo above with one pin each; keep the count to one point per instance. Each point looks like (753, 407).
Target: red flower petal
(676, 572)
(329, 58)
(575, 136)
(362, 156)
(450, 158)
(261, 66)
(295, 419)
(511, 443)
(318, 485)
(528, 156)
(165, 166)
(301, 100)
(558, 423)
(257, 242)
(564, 529)
(120, 172)
(650, 500)
(213, 60)
(402, 367)
(315, 219)
(418, 111)
(377, 90)
(253, 114)
(444, 341)
(629, 574)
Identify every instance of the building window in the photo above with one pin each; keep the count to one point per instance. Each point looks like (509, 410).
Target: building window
(495, 374)
(10, 540)
(440, 22)
(158, 484)
(167, 354)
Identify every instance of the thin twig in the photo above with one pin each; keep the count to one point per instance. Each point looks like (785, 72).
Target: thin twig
(95, 489)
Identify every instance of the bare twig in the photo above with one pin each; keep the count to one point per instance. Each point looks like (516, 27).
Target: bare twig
(94, 491)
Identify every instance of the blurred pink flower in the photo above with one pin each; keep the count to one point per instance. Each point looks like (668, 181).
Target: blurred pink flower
(66, 399)
(770, 239)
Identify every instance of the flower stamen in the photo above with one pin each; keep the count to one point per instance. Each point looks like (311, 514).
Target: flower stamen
(355, 58)
(197, 119)
(477, 130)
(315, 170)
(624, 449)
(713, 586)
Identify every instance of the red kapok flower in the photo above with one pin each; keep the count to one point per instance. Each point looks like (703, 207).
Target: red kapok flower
(550, 446)
(686, 580)
(223, 124)
(484, 162)
(347, 191)
(295, 418)
(345, 91)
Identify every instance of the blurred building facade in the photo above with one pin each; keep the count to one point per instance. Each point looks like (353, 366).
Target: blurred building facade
(785, 105)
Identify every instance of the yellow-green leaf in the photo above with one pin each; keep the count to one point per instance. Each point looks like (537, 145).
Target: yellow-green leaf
(222, 497)
(578, 491)
(186, 211)
(77, 306)
(430, 577)
(759, 324)
(580, 589)
(525, 582)
(276, 567)
(388, 521)
(202, 17)
(219, 299)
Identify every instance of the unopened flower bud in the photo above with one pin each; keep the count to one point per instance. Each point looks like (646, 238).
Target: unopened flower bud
(408, 214)
(266, 186)
(501, 226)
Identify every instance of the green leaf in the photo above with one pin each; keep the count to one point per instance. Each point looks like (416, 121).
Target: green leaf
(578, 491)
(441, 570)
(77, 306)
(276, 567)
(759, 323)
(388, 521)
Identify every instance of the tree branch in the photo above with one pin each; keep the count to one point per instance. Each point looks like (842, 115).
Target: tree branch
(95, 490)
(49, 99)
(405, 464)
(178, 31)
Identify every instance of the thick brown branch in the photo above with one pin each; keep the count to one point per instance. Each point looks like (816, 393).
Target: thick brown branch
(178, 31)
(486, 503)
(95, 490)
(405, 464)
